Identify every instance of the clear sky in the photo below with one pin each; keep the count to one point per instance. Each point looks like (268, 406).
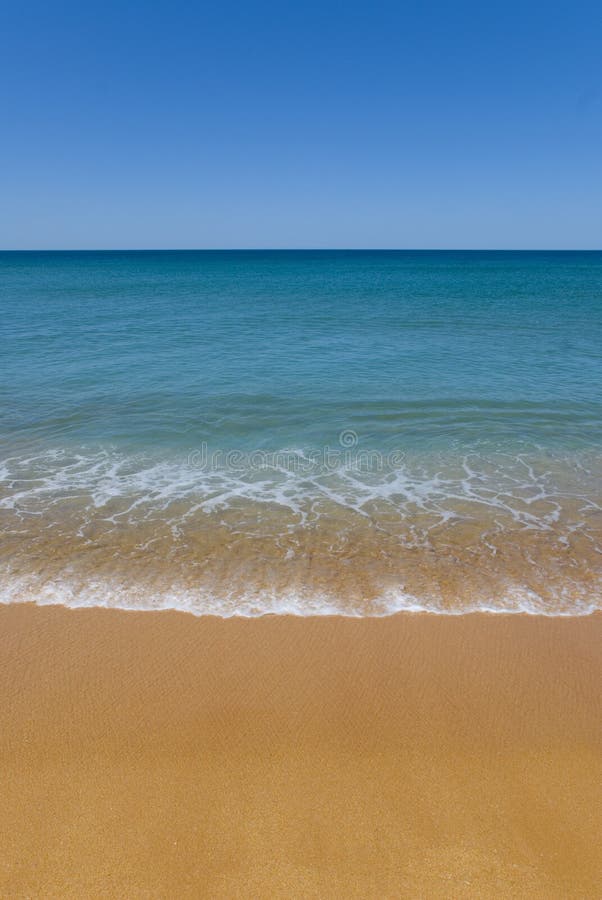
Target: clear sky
(308, 124)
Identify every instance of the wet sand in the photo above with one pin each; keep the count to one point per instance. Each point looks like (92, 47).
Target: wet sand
(162, 755)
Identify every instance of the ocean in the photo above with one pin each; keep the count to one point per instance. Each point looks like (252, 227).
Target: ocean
(303, 432)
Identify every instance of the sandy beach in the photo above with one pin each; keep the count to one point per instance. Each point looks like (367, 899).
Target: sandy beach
(162, 755)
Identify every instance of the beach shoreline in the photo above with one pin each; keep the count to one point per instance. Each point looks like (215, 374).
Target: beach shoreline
(161, 754)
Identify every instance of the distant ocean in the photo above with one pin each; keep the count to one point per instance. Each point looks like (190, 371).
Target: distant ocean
(239, 433)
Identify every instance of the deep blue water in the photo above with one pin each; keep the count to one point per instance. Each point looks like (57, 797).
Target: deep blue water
(164, 350)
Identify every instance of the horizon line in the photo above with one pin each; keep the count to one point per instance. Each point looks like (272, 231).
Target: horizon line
(301, 250)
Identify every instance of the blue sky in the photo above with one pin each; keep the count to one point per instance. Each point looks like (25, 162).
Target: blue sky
(263, 124)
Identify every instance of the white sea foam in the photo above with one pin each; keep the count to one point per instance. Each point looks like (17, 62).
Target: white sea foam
(512, 485)
(255, 604)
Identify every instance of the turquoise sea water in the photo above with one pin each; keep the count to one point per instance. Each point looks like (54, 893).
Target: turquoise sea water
(440, 396)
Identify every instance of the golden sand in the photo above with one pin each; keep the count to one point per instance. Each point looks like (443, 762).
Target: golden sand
(159, 755)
